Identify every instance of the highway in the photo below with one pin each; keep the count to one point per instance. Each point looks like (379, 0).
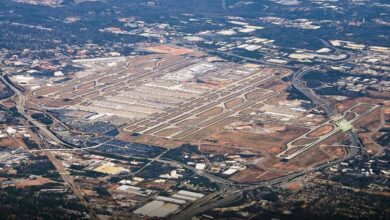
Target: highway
(20, 101)
(229, 192)
(300, 85)
(46, 135)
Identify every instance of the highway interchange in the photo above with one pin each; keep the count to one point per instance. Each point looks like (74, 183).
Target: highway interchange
(231, 192)
(46, 135)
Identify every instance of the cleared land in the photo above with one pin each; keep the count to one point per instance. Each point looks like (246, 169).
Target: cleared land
(321, 131)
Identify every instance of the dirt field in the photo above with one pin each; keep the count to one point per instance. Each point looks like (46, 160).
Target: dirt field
(293, 186)
(386, 110)
(348, 103)
(254, 94)
(323, 130)
(360, 109)
(107, 79)
(276, 99)
(169, 50)
(12, 142)
(370, 122)
(158, 186)
(233, 103)
(311, 157)
(34, 182)
(87, 85)
(369, 127)
(273, 142)
(218, 148)
(269, 175)
(344, 106)
(272, 167)
(349, 116)
(8, 103)
(303, 141)
(337, 152)
(210, 112)
(247, 175)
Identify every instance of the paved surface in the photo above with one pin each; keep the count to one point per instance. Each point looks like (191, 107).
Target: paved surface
(45, 136)
(229, 193)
